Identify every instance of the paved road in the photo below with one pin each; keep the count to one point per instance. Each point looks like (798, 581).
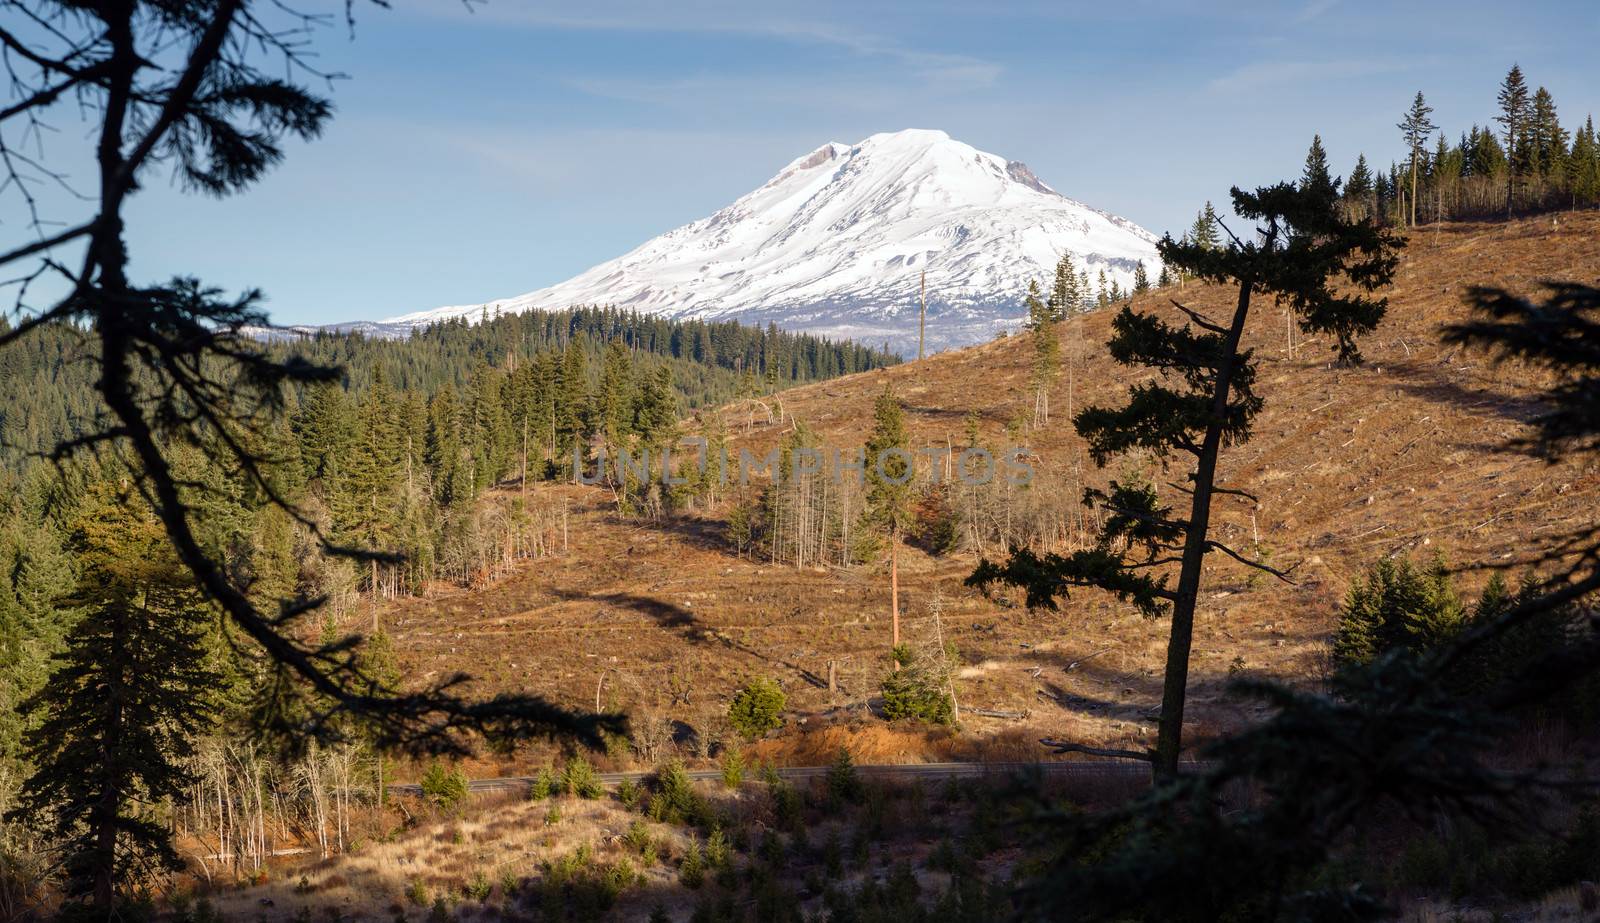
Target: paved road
(1083, 769)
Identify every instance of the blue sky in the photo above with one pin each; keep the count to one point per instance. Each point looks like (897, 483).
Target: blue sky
(479, 154)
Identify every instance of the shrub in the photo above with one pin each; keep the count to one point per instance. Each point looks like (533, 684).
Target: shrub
(445, 788)
(692, 870)
(741, 526)
(544, 784)
(757, 708)
(915, 691)
(637, 836)
(787, 807)
(569, 866)
(866, 544)
(844, 782)
(478, 888)
(622, 876)
(417, 892)
(1397, 606)
(946, 858)
(591, 890)
(578, 778)
(833, 854)
(617, 747)
(1578, 856)
(629, 793)
(936, 527)
(675, 800)
(1516, 650)
(717, 854)
(732, 767)
(552, 901)
(771, 849)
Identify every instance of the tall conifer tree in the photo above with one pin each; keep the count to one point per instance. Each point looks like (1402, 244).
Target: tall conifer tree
(1416, 128)
(1359, 188)
(1307, 256)
(1316, 173)
(889, 472)
(1065, 298)
(1204, 232)
(572, 405)
(119, 715)
(367, 507)
(1513, 119)
(1046, 353)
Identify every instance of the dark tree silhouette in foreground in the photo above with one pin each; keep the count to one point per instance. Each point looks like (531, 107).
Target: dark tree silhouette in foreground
(1562, 335)
(1205, 399)
(180, 86)
(175, 365)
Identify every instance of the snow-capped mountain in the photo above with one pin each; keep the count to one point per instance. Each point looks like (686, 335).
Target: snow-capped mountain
(837, 241)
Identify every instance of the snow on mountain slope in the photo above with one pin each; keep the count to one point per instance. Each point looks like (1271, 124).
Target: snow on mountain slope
(835, 244)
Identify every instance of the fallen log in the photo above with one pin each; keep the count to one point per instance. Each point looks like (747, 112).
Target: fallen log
(996, 713)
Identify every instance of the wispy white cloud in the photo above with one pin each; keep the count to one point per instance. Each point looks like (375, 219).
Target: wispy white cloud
(952, 70)
(736, 90)
(590, 163)
(1260, 75)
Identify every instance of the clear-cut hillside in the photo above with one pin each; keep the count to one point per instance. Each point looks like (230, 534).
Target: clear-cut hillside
(1399, 456)
(836, 242)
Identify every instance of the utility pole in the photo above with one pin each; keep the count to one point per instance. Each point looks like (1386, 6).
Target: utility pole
(922, 314)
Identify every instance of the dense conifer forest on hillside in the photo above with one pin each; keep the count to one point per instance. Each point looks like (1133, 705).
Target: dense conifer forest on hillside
(47, 394)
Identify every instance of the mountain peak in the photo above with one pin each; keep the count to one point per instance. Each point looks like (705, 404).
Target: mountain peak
(906, 137)
(837, 243)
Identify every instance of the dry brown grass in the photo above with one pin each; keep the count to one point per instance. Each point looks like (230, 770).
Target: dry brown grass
(495, 837)
(1561, 905)
(504, 837)
(1398, 456)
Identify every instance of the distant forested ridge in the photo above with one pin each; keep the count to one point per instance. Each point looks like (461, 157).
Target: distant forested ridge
(47, 393)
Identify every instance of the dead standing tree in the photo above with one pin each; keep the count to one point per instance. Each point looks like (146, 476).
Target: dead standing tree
(1204, 400)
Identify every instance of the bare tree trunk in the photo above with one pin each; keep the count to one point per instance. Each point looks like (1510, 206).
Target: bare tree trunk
(1413, 187)
(1169, 741)
(263, 848)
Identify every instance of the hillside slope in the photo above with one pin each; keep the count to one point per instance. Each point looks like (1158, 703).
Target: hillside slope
(1401, 455)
